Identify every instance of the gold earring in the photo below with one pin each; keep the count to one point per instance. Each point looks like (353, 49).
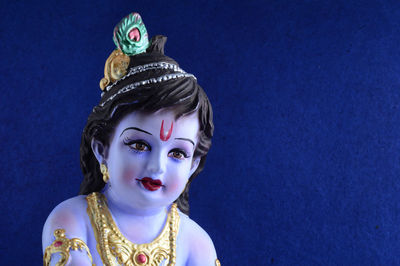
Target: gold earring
(104, 171)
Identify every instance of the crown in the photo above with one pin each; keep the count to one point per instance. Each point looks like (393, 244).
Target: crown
(131, 38)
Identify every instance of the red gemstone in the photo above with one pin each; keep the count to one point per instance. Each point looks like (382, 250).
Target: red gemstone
(58, 243)
(141, 258)
(134, 35)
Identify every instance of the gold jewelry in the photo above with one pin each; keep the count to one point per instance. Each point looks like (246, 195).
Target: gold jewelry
(115, 249)
(217, 263)
(115, 68)
(104, 171)
(63, 246)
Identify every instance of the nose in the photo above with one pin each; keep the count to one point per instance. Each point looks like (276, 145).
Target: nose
(156, 164)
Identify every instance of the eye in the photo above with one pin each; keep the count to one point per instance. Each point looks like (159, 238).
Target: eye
(178, 154)
(138, 145)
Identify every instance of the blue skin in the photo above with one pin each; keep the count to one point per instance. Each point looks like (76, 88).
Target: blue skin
(139, 213)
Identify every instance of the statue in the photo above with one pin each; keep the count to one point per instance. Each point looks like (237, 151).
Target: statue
(141, 148)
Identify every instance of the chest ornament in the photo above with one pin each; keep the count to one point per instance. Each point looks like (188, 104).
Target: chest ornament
(115, 249)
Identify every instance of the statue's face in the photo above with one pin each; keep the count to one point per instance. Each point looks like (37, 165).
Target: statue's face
(150, 158)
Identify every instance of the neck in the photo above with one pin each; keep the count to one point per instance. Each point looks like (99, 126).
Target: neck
(118, 207)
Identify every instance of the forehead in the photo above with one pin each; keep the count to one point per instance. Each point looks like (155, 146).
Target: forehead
(185, 126)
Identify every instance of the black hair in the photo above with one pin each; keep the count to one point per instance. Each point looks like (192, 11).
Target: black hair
(183, 95)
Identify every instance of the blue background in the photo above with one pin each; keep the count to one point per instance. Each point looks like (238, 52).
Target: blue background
(305, 162)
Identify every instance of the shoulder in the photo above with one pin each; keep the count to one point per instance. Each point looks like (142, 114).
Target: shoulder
(201, 249)
(69, 215)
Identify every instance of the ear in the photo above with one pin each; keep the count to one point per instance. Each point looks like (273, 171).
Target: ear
(195, 164)
(99, 150)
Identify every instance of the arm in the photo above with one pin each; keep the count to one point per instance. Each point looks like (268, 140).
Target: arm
(201, 247)
(64, 235)
(202, 252)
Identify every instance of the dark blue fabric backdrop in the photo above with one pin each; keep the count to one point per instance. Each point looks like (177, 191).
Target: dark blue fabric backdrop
(305, 162)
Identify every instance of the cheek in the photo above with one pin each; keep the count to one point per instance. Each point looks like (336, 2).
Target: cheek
(127, 170)
(175, 186)
(129, 175)
(179, 178)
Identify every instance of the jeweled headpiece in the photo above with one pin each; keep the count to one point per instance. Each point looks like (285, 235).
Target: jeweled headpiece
(131, 39)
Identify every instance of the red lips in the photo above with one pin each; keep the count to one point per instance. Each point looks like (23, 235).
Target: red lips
(150, 183)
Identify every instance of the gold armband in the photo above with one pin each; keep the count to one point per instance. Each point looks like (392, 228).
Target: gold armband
(217, 263)
(63, 245)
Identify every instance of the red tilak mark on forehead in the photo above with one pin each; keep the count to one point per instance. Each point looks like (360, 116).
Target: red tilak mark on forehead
(162, 133)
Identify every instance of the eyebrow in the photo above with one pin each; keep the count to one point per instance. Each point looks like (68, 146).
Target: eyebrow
(191, 141)
(135, 128)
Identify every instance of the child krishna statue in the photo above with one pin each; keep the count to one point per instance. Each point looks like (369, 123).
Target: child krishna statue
(142, 146)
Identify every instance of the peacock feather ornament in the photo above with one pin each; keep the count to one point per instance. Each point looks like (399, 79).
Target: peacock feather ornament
(130, 35)
(131, 38)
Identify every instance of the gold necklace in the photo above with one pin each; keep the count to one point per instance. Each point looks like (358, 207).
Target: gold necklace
(115, 249)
